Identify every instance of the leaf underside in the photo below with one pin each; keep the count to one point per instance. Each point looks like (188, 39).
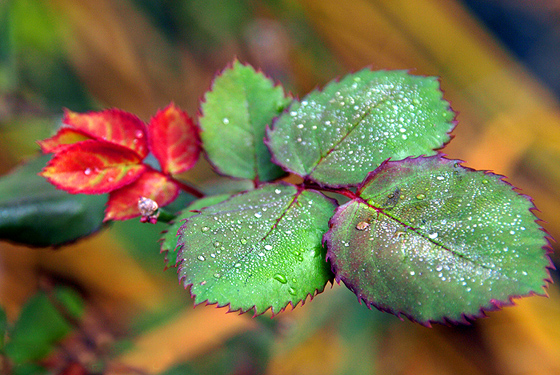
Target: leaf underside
(241, 103)
(437, 242)
(258, 250)
(336, 136)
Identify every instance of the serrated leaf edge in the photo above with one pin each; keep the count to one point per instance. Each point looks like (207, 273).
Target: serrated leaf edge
(74, 190)
(318, 90)
(241, 310)
(493, 304)
(200, 114)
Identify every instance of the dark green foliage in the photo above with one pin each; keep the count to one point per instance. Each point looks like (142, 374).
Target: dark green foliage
(42, 323)
(34, 212)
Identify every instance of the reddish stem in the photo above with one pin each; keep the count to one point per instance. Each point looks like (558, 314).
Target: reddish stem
(342, 191)
(189, 189)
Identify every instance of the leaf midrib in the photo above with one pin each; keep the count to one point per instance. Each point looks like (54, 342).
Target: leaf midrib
(342, 139)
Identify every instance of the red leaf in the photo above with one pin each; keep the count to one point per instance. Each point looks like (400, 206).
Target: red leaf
(123, 203)
(111, 125)
(173, 139)
(93, 167)
(62, 139)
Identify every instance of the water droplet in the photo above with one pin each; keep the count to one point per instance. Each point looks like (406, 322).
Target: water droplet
(139, 134)
(292, 291)
(440, 178)
(281, 278)
(261, 254)
(217, 275)
(362, 225)
(293, 113)
(300, 126)
(433, 236)
(87, 171)
(485, 181)
(225, 120)
(204, 229)
(420, 196)
(243, 241)
(277, 191)
(258, 215)
(237, 265)
(511, 232)
(267, 247)
(439, 267)
(217, 244)
(201, 258)
(412, 273)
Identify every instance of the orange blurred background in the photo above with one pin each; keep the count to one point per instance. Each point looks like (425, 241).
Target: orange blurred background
(140, 55)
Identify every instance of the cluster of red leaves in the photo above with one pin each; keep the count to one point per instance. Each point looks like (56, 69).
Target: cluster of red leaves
(104, 152)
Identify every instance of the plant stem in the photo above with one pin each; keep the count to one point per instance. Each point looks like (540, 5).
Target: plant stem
(344, 191)
(165, 216)
(189, 189)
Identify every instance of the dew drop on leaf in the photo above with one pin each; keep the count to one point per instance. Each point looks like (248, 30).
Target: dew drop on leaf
(280, 278)
(255, 235)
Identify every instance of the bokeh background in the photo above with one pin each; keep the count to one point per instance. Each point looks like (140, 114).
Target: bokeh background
(498, 62)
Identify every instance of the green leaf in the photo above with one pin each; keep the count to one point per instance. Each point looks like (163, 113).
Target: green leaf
(260, 249)
(41, 325)
(34, 212)
(436, 242)
(241, 103)
(3, 327)
(29, 369)
(336, 136)
(169, 238)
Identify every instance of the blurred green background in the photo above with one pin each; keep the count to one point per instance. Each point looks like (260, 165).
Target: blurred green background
(498, 63)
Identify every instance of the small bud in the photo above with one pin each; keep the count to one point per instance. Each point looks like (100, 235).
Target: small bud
(362, 225)
(149, 210)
